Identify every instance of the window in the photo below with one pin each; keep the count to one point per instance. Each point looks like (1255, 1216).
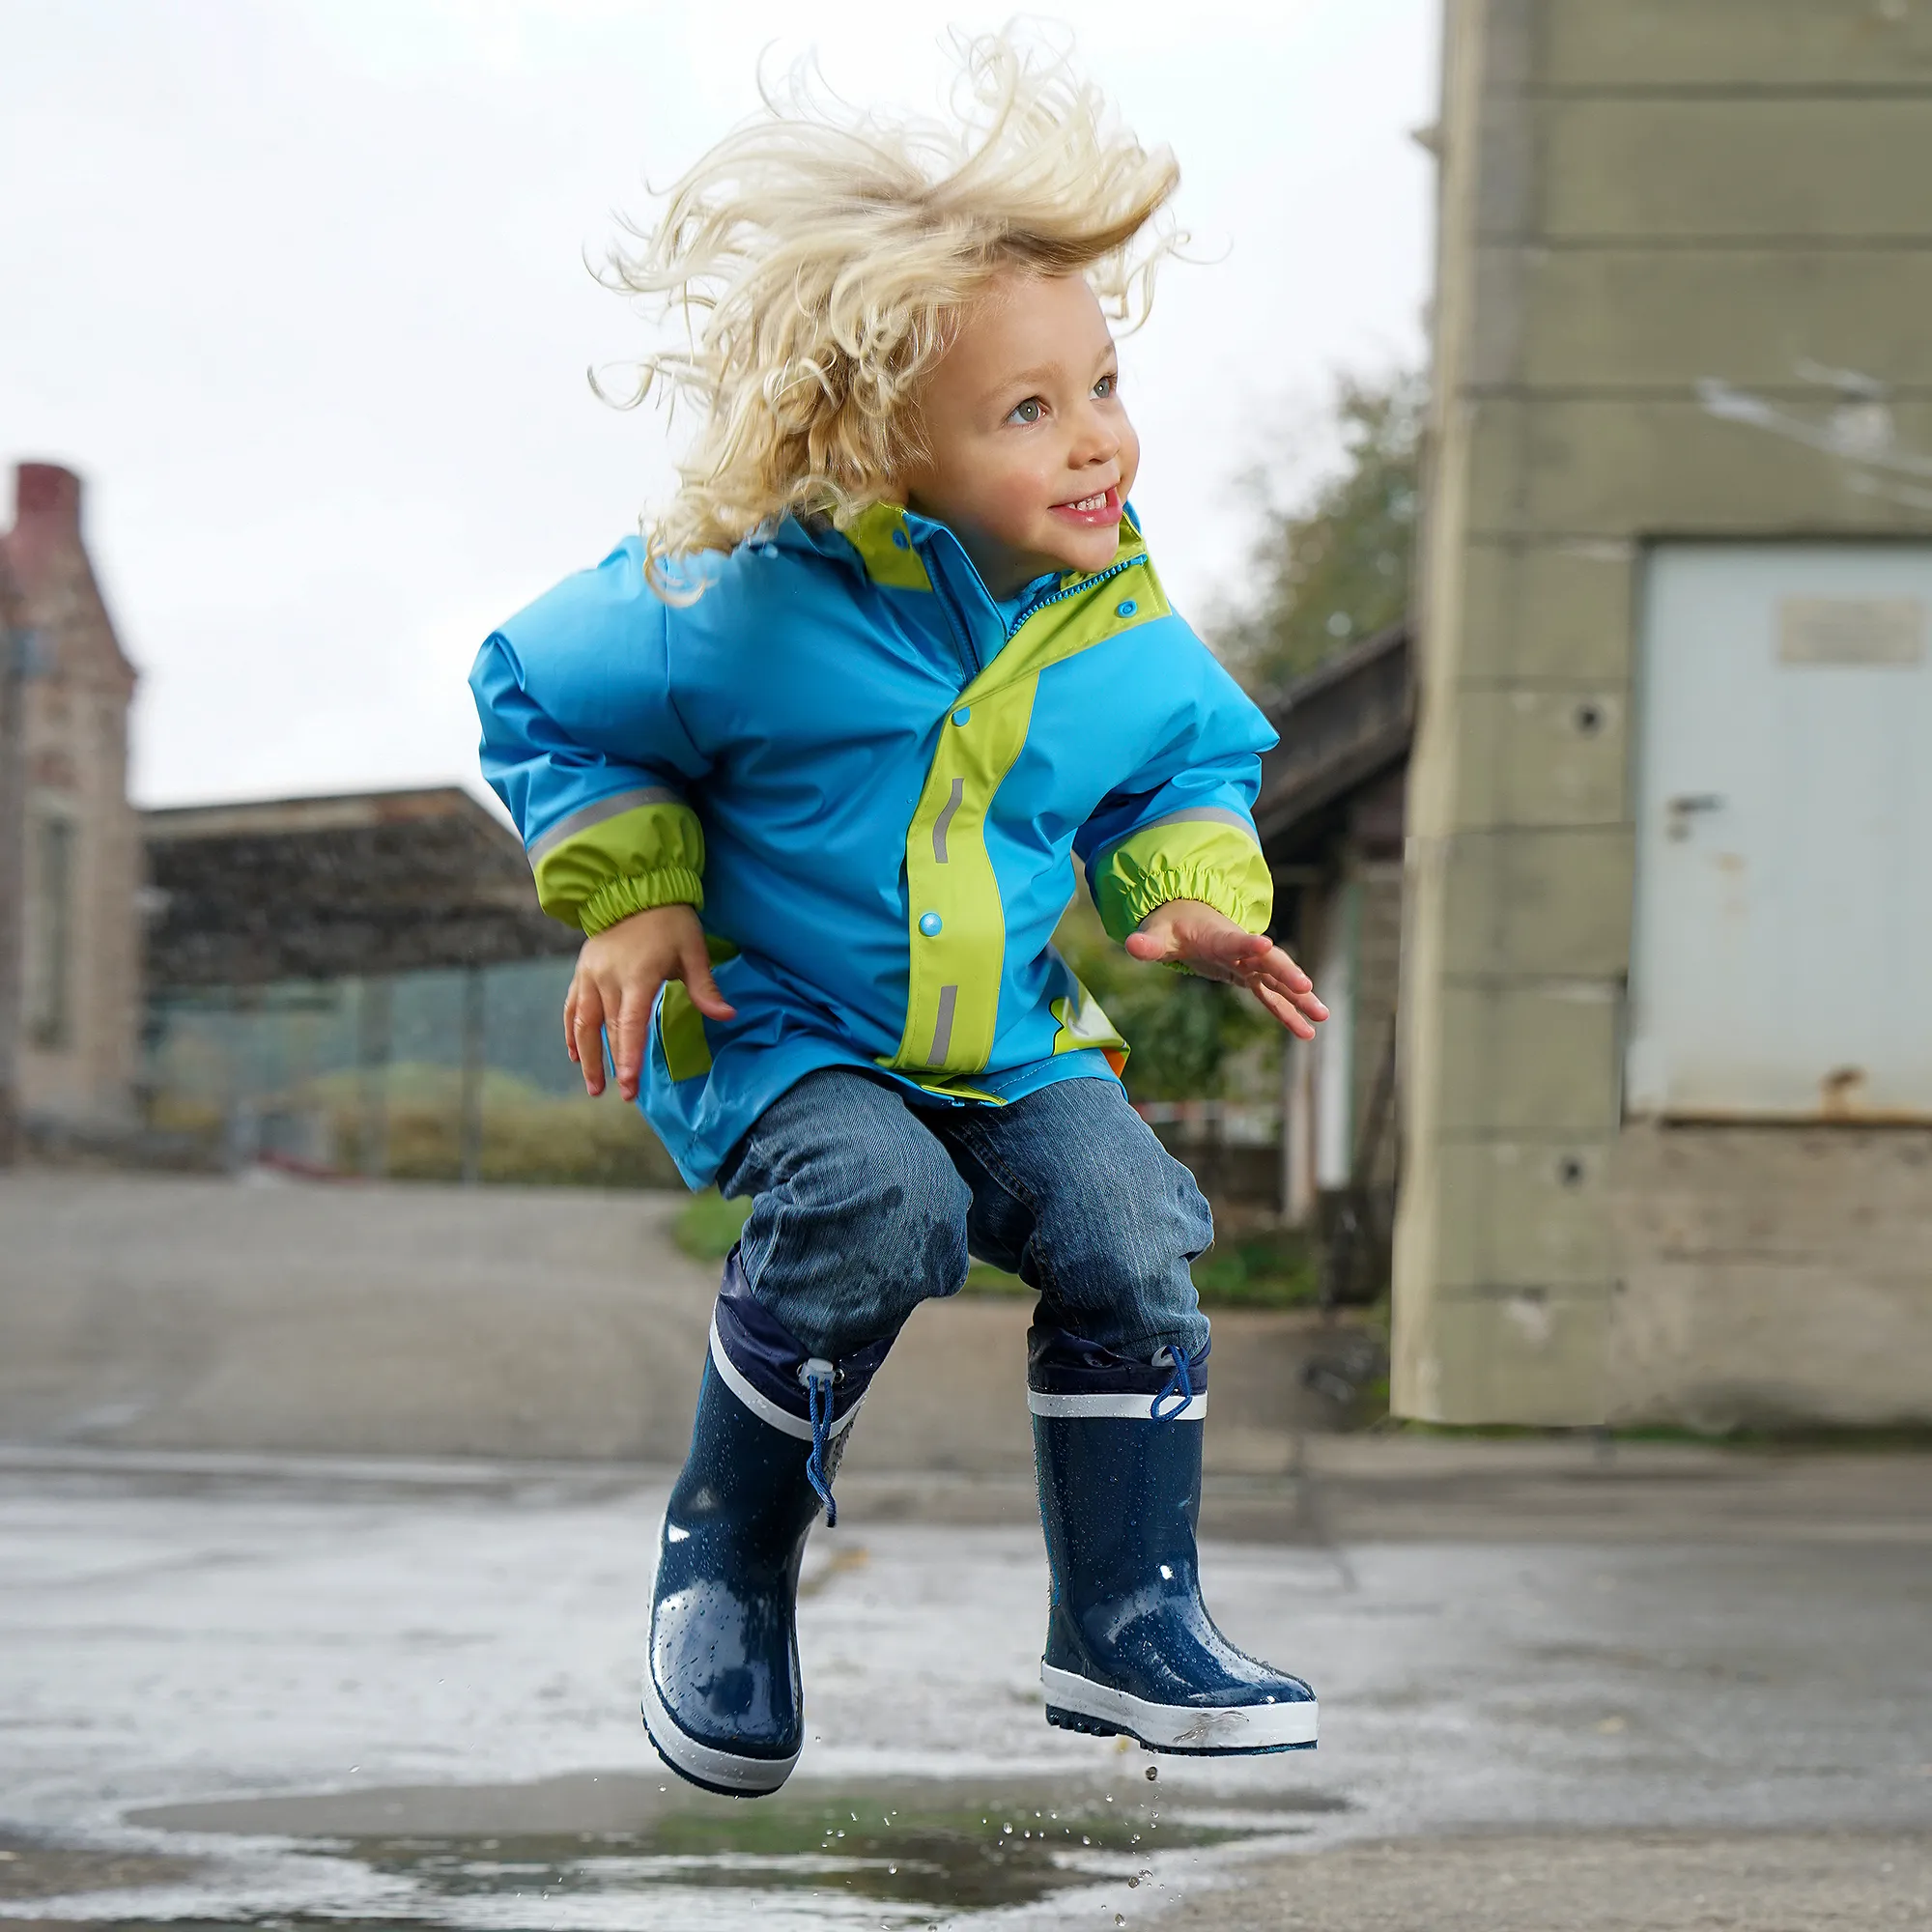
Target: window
(50, 936)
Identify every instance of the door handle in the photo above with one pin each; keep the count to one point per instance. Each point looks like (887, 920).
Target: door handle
(1684, 806)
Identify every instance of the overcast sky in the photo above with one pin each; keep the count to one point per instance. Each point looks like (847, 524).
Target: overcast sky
(299, 286)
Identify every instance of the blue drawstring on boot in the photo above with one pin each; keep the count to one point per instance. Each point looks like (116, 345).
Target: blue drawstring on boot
(818, 1377)
(1179, 1384)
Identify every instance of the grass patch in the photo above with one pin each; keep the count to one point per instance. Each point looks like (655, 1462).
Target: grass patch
(1267, 1269)
(709, 1225)
(530, 1138)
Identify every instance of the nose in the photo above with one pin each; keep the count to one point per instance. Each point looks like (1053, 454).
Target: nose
(1095, 440)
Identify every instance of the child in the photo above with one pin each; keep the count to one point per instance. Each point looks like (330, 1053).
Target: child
(894, 657)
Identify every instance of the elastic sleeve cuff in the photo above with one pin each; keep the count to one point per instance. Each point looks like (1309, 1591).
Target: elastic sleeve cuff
(670, 885)
(1157, 886)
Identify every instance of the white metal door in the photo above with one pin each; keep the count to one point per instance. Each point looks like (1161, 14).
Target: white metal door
(1783, 957)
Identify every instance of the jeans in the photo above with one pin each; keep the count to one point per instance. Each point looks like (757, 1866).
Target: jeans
(866, 1204)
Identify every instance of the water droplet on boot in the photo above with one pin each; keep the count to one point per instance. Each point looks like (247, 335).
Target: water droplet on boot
(1153, 1772)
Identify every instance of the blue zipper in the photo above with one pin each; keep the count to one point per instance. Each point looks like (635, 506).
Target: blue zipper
(1114, 569)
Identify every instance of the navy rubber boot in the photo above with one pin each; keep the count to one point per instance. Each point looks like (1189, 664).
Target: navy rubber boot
(1130, 1648)
(722, 1698)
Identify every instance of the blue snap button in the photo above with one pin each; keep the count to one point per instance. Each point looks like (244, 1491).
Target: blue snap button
(929, 924)
(1125, 609)
(961, 716)
(900, 541)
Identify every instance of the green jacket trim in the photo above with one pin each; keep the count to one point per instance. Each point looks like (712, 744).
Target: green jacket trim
(957, 921)
(622, 855)
(1084, 1027)
(1208, 855)
(687, 1052)
(884, 545)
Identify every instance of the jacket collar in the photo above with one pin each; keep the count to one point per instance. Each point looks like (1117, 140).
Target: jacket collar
(899, 549)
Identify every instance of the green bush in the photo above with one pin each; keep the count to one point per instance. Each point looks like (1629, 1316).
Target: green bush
(1182, 1032)
(1266, 1269)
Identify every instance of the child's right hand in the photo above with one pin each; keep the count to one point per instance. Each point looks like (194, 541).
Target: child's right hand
(615, 985)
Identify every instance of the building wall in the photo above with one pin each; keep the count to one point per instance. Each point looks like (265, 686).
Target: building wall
(1682, 291)
(80, 933)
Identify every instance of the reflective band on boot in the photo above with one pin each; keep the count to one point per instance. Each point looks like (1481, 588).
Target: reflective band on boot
(1130, 1648)
(720, 1695)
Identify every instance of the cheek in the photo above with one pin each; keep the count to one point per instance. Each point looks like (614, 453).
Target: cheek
(1016, 494)
(1130, 457)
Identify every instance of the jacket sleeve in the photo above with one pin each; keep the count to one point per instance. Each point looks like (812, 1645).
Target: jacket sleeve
(1181, 827)
(582, 742)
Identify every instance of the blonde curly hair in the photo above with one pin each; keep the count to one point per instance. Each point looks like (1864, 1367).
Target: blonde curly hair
(820, 259)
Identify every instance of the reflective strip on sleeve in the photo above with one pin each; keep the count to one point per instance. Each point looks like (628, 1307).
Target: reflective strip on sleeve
(635, 837)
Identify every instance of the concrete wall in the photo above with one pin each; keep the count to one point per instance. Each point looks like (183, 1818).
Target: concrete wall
(370, 1318)
(1670, 229)
(77, 771)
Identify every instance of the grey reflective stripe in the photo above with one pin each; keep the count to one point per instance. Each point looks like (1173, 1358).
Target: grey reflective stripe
(763, 1405)
(614, 806)
(1121, 1408)
(942, 1034)
(1200, 814)
(945, 819)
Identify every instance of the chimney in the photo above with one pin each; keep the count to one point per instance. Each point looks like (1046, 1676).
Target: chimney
(49, 496)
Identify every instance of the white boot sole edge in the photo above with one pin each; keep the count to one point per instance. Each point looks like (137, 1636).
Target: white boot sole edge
(1184, 1728)
(704, 1764)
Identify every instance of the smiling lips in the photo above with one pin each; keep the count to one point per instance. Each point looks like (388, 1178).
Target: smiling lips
(1092, 512)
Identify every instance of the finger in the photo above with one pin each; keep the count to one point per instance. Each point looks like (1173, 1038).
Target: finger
(696, 965)
(1229, 944)
(1278, 966)
(1285, 1011)
(630, 1033)
(588, 1035)
(1302, 995)
(1151, 947)
(1297, 990)
(570, 1021)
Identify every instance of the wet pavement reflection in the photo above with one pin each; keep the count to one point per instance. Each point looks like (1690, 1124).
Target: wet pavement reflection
(280, 1698)
(898, 1853)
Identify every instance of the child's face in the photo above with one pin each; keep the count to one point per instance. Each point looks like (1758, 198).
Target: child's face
(1031, 453)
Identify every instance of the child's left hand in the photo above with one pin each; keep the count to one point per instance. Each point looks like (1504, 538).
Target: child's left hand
(1185, 932)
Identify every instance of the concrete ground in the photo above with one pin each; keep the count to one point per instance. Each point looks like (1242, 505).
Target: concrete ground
(1660, 1688)
(270, 1316)
(324, 1513)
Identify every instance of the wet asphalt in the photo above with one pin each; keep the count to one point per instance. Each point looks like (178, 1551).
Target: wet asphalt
(1562, 1687)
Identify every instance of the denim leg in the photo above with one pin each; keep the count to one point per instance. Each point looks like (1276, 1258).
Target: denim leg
(1072, 1191)
(857, 1217)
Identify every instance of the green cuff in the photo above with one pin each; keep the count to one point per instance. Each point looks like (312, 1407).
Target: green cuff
(673, 885)
(1156, 889)
(1204, 858)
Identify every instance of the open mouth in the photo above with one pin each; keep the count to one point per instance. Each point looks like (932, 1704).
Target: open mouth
(1100, 508)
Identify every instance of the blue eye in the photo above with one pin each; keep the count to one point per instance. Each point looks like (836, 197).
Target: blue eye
(1028, 411)
(1106, 385)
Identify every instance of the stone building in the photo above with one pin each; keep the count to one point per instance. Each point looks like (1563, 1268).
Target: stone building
(76, 850)
(1330, 815)
(1666, 1070)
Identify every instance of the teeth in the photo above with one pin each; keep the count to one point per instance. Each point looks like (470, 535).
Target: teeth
(1098, 503)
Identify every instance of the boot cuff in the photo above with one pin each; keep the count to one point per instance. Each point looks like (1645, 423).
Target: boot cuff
(761, 1360)
(1069, 1376)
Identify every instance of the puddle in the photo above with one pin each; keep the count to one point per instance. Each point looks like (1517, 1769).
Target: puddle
(902, 1853)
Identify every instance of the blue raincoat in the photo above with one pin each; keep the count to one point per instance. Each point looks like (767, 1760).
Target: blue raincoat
(873, 779)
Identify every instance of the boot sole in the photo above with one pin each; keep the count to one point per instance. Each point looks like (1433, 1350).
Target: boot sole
(1076, 1703)
(728, 1773)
